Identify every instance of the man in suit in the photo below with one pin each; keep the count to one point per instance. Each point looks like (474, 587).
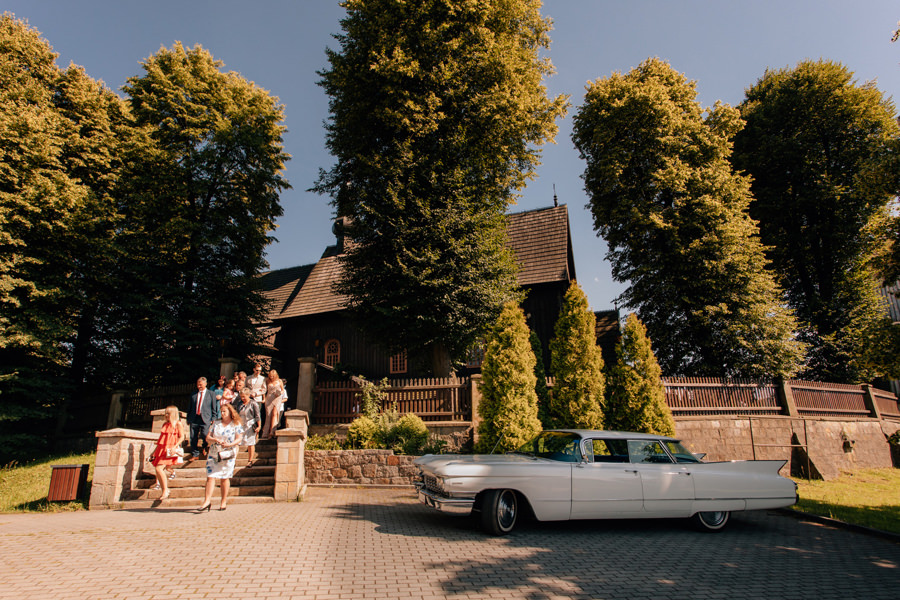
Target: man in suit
(204, 410)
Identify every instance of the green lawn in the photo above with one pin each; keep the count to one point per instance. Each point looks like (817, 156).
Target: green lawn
(24, 488)
(870, 498)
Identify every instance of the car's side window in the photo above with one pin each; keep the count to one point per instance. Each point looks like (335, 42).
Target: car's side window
(614, 451)
(644, 451)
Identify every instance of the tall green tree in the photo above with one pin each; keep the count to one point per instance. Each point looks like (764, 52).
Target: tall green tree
(674, 214)
(577, 365)
(822, 150)
(437, 112)
(61, 133)
(635, 395)
(509, 404)
(201, 205)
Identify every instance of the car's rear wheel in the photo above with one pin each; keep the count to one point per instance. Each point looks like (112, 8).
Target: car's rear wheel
(499, 511)
(711, 521)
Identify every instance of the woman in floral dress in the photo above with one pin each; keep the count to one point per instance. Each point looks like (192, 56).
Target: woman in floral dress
(226, 434)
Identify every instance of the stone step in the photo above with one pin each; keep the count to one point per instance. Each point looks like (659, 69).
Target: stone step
(186, 503)
(199, 473)
(200, 483)
(195, 493)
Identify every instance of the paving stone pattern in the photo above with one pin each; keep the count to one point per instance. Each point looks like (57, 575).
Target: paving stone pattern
(380, 543)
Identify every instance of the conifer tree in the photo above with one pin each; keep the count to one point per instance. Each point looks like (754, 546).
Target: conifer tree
(540, 386)
(636, 398)
(577, 365)
(508, 407)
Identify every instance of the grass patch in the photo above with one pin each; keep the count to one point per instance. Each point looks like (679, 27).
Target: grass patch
(24, 488)
(870, 498)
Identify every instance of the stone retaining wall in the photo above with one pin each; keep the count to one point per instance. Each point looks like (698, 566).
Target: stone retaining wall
(828, 446)
(359, 467)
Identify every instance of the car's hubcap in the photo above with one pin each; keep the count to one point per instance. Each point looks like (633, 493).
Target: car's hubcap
(713, 519)
(506, 510)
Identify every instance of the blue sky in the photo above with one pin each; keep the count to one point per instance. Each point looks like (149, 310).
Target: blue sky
(724, 46)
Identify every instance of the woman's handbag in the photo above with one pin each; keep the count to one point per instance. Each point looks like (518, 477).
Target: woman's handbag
(174, 452)
(226, 454)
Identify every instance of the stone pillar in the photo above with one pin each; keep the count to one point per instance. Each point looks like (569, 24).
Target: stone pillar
(227, 367)
(290, 471)
(121, 454)
(475, 394)
(871, 404)
(306, 383)
(786, 398)
(116, 409)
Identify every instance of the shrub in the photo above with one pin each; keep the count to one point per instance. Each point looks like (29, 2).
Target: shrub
(410, 433)
(362, 433)
(328, 441)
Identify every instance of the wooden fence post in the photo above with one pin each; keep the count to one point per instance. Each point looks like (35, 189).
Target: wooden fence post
(114, 417)
(871, 404)
(475, 383)
(786, 398)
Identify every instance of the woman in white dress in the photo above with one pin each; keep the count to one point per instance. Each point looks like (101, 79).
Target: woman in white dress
(274, 390)
(226, 434)
(250, 415)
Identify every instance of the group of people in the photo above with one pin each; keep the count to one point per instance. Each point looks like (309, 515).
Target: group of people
(222, 419)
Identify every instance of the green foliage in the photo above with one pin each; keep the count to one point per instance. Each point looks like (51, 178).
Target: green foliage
(508, 407)
(329, 441)
(406, 434)
(577, 365)
(437, 110)
(362, 433)
(540, 385)
(203, 200)
(373, 396)
(823, 154)
(636, 398)
(674, 215)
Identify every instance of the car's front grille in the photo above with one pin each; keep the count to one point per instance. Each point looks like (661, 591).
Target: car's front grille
(432, 484)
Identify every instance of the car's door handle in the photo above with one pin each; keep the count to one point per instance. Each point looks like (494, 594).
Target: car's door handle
(678, 473)
(631, 471)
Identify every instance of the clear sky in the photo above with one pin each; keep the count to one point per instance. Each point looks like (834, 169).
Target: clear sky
(725, 46)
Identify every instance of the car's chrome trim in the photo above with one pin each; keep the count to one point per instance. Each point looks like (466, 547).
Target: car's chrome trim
(456, 506)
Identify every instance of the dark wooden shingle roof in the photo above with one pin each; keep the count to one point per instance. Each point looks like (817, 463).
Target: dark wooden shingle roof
(540, 239)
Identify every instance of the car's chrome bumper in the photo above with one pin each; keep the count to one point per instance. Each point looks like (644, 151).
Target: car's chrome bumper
(455, 506)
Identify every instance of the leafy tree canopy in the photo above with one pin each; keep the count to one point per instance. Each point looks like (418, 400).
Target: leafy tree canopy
(674, 215)
(437, 112)
(823, 154)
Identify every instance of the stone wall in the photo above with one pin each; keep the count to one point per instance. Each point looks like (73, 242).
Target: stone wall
(827, 447)
(359, 467)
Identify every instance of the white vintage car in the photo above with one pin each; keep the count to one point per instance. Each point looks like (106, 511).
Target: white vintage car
(578, 474)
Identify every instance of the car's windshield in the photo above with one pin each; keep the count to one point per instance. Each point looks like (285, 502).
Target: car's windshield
(555, 445)
(681, 454)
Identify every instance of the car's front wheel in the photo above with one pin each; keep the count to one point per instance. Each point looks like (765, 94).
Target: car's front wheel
(711, 521)
(499, 511)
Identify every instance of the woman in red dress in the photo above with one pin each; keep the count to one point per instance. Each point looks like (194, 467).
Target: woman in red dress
(166, 454)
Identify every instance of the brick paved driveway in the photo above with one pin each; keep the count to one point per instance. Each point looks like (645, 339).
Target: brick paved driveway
(364, 543)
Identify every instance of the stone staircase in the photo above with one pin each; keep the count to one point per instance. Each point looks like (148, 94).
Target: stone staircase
(248, 485)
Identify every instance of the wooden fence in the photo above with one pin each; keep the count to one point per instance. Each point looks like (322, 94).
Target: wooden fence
(712, 396)
(451, 399)
(430, 399)
(138, 404)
